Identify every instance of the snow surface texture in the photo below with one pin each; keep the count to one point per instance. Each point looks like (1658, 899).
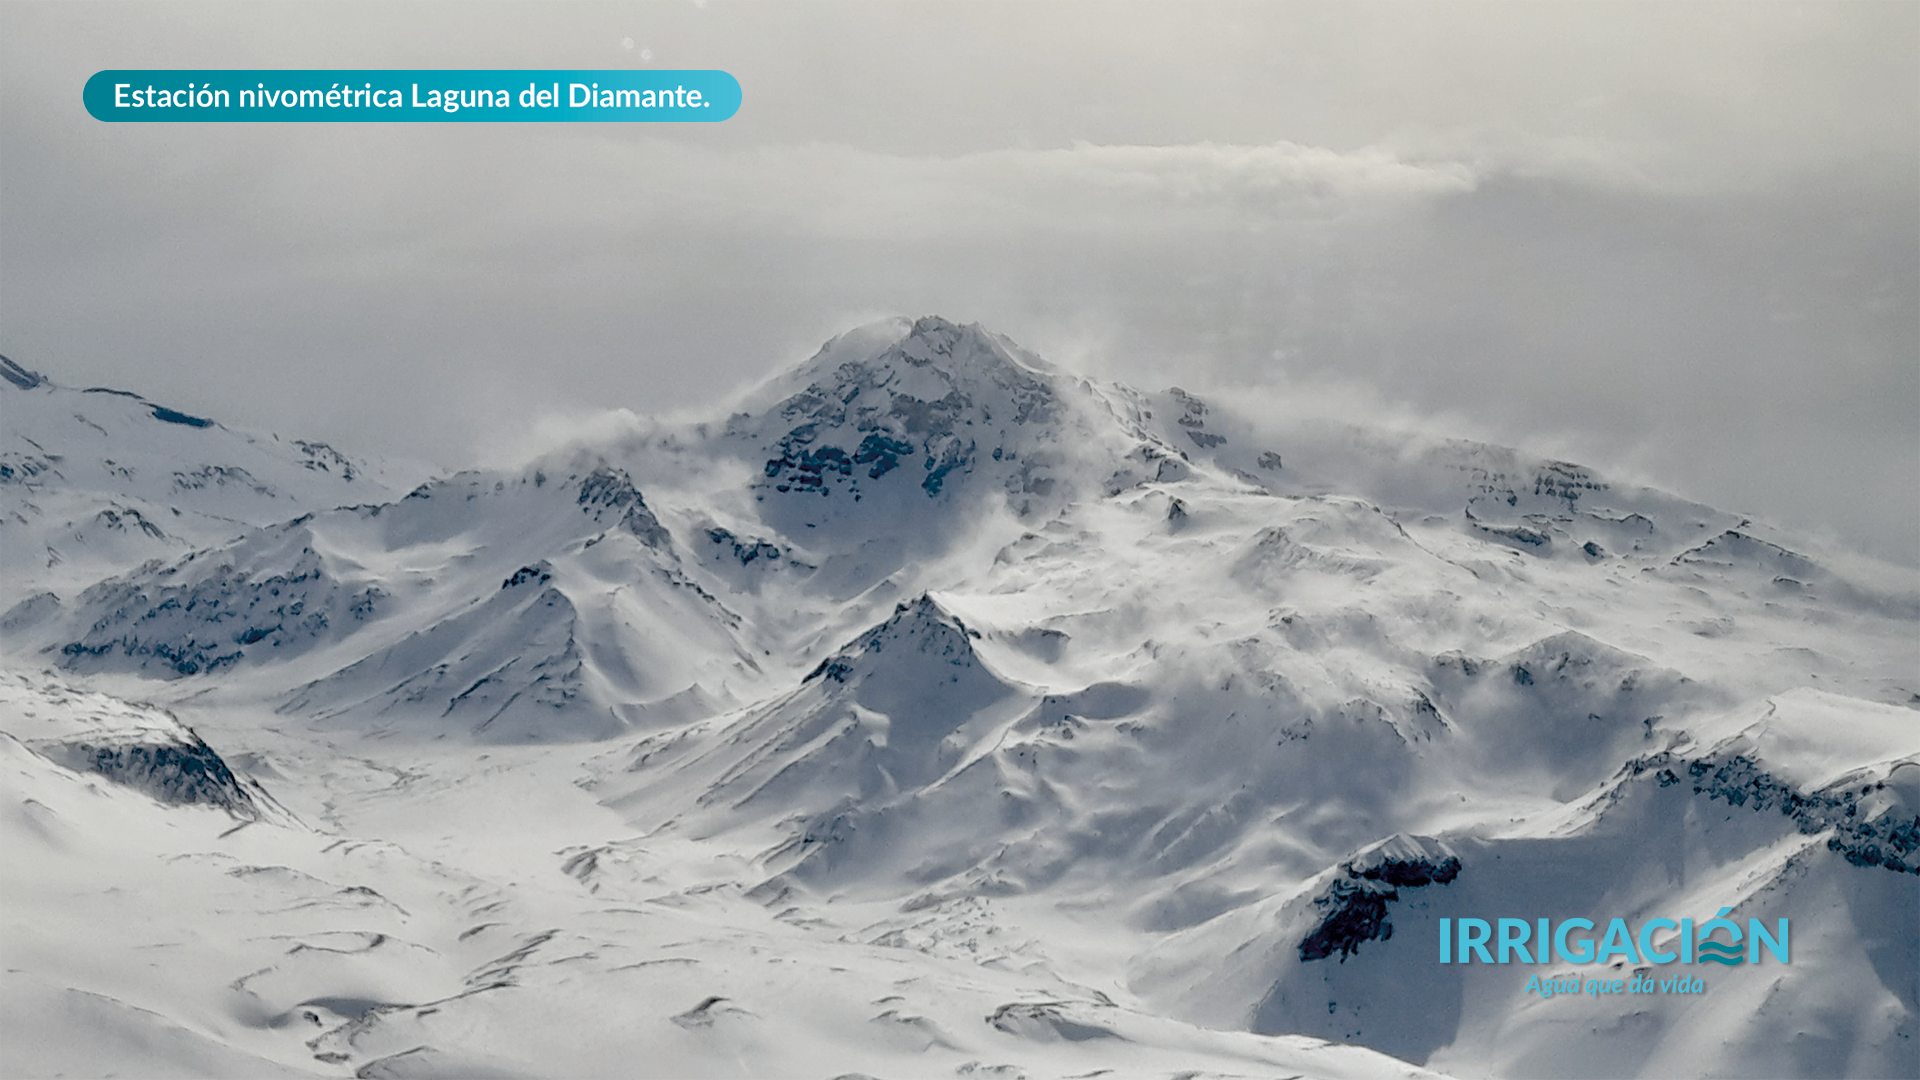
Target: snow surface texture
(935, 713)
(99, 480)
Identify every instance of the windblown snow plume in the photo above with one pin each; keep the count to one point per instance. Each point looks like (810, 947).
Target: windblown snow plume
(934, 712)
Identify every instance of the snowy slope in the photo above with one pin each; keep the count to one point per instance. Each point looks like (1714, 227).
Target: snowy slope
(97, 480)
(938, 710)
(1682, 832)
(522, 606)
(475, 937)
(138, 746)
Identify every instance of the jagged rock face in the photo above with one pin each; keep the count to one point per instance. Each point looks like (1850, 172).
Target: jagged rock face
(887, 712)
(321, 458)
(537, 606)
(1755, 820)
(608, 490)
(1865, 830)
(919, 627)
(903, 433)
(276, 594)
(743, 550)
(1193, 420)
(273, 595)
(930, 405)
(1355, 911)
(1353, 908)
(142, 747)
(1864, 800)
(1171, 688)
(186, 772)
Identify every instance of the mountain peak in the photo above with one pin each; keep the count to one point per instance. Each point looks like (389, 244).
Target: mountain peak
(929, 359)
(934, 340)
(922, 626)
(923, 400)
(28, 379)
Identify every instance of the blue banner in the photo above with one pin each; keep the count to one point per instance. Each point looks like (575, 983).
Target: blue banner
(358, 97)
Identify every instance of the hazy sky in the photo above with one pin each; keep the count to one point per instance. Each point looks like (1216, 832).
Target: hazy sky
(1677, 242)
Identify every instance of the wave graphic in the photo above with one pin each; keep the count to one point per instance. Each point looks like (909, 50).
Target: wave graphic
(1721, 954)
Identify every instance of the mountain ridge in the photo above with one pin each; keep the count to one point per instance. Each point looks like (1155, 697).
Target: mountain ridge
(938, 672)
(99, 479)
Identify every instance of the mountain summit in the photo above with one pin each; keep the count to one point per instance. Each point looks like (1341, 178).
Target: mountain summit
(896, 404)
(917, 420)
(943, 713)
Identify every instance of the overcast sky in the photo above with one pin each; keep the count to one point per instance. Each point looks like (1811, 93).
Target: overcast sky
(1679, 242)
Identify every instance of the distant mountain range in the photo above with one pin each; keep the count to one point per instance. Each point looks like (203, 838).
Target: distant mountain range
(100, 480)
(1035, 723)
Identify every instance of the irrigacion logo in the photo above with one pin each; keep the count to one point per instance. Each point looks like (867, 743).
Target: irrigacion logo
(1510, 940)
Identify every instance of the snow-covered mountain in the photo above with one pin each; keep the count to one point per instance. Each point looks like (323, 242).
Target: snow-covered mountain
(521, 607)
(939, 712)
(98, 480)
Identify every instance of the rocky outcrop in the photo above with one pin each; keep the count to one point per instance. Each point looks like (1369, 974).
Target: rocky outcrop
(135, 745)
(184, 771)
(940, 398)
(1353, 906)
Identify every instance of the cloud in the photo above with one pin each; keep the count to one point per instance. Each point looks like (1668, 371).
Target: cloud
(1681, 237)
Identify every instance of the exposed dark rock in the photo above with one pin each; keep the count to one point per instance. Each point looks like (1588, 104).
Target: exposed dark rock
(167, 617)
(1890, 840)
(980, 386)
(607, 489)
(952, 456)
(537, 574)
(922, 622)
(1412, 872)
(1518, 535)
(220, 476)
(320, 457)
(186, 772)
(1045, 1020)
(119, 518)
(882, 453)
(746, 551)
(1193, 418)
(25, 468)
(161, 412)
(1353, 911)
(19, 376)
(704, 1014)
(1353, 907)
(1561, 480)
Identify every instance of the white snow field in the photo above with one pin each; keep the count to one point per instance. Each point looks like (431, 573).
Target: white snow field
(936, 713)
(100, 480)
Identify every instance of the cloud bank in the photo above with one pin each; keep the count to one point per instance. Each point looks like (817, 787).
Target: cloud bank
(1681, 240)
